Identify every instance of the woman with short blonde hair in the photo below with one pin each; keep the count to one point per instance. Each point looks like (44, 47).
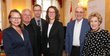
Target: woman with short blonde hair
(97, 41)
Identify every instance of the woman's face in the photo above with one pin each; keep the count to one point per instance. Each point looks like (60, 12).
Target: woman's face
(94, 23)
(51, 13)
(15, 19)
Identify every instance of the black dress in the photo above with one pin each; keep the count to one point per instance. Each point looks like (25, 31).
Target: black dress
(97, 44)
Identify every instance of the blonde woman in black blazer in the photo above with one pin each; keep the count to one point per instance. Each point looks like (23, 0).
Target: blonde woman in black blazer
(55, 33)
(15, 38)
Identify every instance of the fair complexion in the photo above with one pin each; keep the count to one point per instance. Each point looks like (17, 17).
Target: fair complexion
(94, 23)
(37, 12)
(15, 21)
(26, 16)
(79, 13)
(51, 15)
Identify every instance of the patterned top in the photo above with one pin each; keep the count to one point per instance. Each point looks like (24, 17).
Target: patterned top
(97, 44)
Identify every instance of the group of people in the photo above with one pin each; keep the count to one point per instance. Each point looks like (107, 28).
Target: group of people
(85, 37)
(27, 36)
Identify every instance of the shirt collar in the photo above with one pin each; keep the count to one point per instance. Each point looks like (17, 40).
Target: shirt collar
(79, 21)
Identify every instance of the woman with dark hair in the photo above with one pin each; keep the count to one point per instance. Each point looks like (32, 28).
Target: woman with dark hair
(55, 33)
(15, 38)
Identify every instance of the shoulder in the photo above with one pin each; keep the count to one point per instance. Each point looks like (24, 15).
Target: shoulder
(32, 22)
(7, 29)
(86, 24)
(43, 21)
(71, 23)
(24, 30)
(85, 20)
(58, 23)
(105, 32)
(33, 19)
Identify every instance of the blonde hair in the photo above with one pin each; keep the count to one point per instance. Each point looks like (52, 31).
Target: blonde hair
(95, 14)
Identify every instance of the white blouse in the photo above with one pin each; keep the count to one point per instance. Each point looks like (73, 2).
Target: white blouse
(22, 36)
(49, 28)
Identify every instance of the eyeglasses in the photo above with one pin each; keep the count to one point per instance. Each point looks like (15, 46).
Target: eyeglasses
(37, 10)
(79, 12)
(51, 12)
(16, 17)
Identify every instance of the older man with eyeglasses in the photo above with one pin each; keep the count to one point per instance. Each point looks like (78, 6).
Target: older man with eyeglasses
(75, 33)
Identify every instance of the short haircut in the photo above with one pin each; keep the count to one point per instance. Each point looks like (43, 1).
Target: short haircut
(38, 6)
(95, 14)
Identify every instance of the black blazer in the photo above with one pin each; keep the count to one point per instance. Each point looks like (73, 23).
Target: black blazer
(36, 36)
(14, 45)
(56, 39)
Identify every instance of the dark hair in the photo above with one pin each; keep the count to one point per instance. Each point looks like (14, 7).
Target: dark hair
(37, 5)
(57, 15)
(9, 16)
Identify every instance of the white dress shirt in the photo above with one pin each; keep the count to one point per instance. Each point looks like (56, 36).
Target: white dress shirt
(22, 36)
(49, 28)
(76, 34)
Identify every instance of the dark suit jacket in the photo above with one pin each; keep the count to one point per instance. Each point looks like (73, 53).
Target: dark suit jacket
(56, 39)
(36, 36)
(69, 35)
(14, 45)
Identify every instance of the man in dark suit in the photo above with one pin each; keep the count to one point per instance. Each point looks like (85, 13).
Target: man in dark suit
(38, 25)
(32, 30)
(75, 33)
(26, 17)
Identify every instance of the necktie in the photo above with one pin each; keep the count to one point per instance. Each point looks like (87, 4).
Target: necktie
(38, 23)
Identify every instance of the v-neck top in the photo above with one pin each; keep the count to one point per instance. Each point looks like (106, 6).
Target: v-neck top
(14, 44)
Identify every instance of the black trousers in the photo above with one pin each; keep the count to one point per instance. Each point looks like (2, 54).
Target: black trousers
(46, 52)
(75, 51)
(49, 52)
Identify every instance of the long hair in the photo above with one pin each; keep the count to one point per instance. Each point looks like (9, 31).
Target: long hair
(57, 15)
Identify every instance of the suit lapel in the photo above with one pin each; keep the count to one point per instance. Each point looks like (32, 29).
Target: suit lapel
(24, 34)
(52, 29)
(18, 36)
(82, 30)
(34, 21)
(72, 29)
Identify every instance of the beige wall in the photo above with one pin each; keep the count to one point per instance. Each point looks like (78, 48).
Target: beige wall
(67, 13)
(0, 13)
(107, 16)
(95, 6)
(13, 4)
(64, 11)
(4, 15)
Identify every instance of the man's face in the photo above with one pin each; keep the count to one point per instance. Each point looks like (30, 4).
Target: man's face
(37, 11)
(79, 13)
(26, 16)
